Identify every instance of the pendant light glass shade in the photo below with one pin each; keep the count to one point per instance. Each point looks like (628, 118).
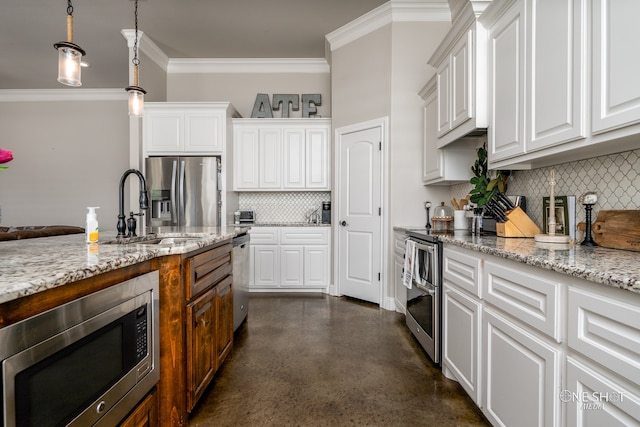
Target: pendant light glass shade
(136, 101)
(69, 69)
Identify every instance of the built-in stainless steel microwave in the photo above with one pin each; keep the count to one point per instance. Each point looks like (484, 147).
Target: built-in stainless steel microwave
(88, 362)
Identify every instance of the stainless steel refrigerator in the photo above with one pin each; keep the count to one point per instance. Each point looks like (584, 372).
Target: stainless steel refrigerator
(184, 191)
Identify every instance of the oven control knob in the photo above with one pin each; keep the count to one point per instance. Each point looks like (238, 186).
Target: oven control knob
(343, 223)
(101, 407)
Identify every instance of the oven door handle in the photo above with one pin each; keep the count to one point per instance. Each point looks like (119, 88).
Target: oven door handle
(430, 290)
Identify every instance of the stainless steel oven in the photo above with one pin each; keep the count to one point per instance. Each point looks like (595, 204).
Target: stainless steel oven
(87, 362)
(424, 294)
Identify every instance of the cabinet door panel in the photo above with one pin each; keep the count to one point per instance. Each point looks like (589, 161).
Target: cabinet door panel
(463, 269)
(461, 346)
(444, 90)
(270, 170)
(203, 132)
(291, 265)
(616, 64)
(163, 131)
(597, 399)
(607, 330)
(224, 330)
(294, 158)
(557, 72)
(432, 170)
(522, 376)
(266, 265)
(201, 345)
(245, 158)
(506, 43)
(317, 160)
(461, 83)
(316, 266)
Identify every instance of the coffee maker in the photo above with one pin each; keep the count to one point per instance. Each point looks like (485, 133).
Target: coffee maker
(326, 212)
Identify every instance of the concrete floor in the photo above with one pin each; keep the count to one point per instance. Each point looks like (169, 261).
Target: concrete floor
(317, 360)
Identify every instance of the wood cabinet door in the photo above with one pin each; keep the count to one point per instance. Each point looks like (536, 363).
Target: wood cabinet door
(145, 414)
(224, 330)
(202, 354)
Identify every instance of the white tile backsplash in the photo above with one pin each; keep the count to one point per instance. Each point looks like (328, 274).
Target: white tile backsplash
(283, 206)
(614, 178)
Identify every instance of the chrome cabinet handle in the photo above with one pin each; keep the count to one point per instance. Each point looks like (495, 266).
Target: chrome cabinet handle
(343, 223)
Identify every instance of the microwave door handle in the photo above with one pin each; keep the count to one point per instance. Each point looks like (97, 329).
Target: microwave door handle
(174, 201)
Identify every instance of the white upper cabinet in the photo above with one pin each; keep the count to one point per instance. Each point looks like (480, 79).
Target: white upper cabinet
(281, 154)
(186, 128)
(446, 165)
(616, 64)
(563, 82)
(460, 61)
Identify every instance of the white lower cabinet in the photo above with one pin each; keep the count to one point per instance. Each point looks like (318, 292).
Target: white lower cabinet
(461, 348)
(289, 258)
(522, 375)
(553, 350)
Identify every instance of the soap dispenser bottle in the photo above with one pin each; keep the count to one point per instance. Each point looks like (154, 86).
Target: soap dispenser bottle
(91, 228)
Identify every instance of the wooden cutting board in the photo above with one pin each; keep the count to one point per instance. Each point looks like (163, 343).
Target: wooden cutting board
(617, 229)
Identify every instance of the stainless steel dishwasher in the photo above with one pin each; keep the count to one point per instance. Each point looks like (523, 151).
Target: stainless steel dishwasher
(240, 279)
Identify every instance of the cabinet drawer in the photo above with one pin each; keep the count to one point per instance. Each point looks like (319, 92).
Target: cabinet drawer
(606, 329)
(463, 270)
(525, 294)
(265, 236)
(304, 236)
(207, 268)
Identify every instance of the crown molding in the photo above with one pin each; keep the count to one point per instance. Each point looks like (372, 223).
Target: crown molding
(38, 95)
(392, 11)
(147, 46)
(248, 65)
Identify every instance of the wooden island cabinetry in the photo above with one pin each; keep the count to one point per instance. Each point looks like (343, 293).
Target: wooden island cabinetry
(196, 326)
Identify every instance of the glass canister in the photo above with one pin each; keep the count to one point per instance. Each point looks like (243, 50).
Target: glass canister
(442, 218)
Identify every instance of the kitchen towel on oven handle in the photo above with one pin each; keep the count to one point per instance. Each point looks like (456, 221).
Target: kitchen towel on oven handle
(409, 261)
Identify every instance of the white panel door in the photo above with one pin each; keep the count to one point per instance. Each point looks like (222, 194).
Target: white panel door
(506, 83)
(270, 158)
(316, 266)
(294, 158)
(291, 265)
(432, 161)
(443, 80)
(163, 131)
(266, 265)
(616, 64)
(521, 376)
(359, 218)
(461, 82)
(317, 162)
(557, 72)
(203, 131)
(245, 158)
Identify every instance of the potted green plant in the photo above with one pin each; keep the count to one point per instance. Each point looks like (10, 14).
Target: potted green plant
(485, 188)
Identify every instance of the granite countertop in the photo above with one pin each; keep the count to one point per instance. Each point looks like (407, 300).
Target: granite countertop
(611, 267)
(33, 265)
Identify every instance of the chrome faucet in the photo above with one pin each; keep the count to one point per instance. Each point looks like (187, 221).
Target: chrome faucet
(144, 203)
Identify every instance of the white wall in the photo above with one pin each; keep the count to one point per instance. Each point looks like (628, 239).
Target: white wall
(67, 156)
(241, 89)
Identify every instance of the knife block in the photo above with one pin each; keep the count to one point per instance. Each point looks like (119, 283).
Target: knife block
(518, 225)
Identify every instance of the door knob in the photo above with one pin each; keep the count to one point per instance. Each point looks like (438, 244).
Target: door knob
(343, 223)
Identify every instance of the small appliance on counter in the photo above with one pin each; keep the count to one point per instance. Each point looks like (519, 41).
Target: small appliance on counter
(326, 212)
(247, 217)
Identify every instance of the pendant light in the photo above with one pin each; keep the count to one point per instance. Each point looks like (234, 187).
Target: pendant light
(69, 55)
(136, 93)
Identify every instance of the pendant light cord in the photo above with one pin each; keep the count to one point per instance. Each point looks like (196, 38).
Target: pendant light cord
(135, 60)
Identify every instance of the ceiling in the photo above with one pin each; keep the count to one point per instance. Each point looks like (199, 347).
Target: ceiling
(180, 28)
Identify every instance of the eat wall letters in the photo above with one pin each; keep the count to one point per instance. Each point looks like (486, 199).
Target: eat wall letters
(262, 108)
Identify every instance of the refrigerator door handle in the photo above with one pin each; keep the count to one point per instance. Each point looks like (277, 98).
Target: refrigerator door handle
(181, 184)
(173, 201)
